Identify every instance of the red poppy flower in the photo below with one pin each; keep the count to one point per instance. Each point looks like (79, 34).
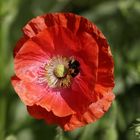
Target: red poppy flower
(64, 70)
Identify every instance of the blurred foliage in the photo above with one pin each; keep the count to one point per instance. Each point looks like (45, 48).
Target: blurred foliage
(120, 22)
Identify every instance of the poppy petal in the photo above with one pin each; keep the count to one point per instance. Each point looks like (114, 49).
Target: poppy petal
(35, 26)
(69, 102)
(41, 113)
(40, 23)
(88, 58)
(30, 58)
(95, 111)
(50, 100)
(27, 91)
(44, 97)
(19, 44)
(106, 67)
(54, 102)
(65, 42)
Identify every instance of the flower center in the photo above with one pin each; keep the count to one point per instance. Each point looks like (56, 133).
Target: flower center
(60, 71)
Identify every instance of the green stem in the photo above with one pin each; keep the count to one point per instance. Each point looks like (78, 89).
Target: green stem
(3, 106)
(59, 135)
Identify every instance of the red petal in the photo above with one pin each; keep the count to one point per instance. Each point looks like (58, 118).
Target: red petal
(88, 58)
(55, 102)
(106, 67)
(69, 102)
(94, 112)
(29, 60)
(40, 113)
(35, 26)
(40, 23)
(29, 93)
(37, 112)
(19, 45)
(73, 22)
(35, 52)
(35, 94)
(65, 42)
(105, 62)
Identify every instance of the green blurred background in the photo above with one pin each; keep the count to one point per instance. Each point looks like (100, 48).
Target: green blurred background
(119, 20)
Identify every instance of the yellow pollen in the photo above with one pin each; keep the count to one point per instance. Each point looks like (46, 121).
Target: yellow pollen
(60, 71)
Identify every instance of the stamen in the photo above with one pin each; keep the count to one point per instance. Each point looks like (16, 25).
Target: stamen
(60, 71)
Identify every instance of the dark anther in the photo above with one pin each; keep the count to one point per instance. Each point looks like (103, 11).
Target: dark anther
(74, 64)
(75, 73)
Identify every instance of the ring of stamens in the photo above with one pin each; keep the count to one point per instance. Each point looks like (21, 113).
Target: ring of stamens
(59, 73)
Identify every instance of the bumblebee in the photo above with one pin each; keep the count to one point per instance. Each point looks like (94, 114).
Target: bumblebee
(74, 67)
